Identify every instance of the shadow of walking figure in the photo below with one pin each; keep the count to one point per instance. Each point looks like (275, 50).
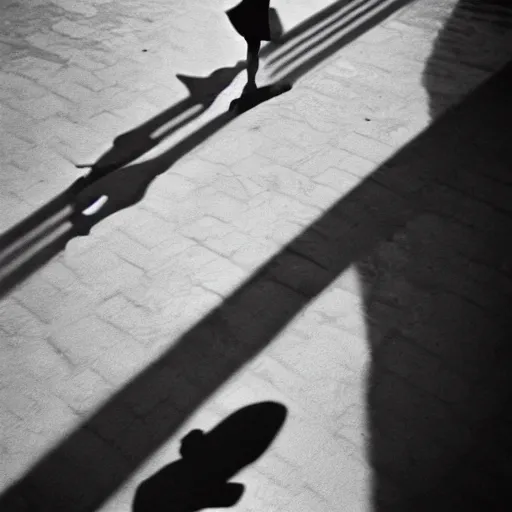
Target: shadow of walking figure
(200, 479)
(132, 144)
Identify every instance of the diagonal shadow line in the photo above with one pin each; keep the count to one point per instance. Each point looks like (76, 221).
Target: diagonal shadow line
(332, 48)
(134, 180)
(124, 187)
(129, 146)
(137, 142)
(133, 144)
(353, 7)
(138, 419)
(201, 95)
(302, 28)
(18, 251)
(34, 219)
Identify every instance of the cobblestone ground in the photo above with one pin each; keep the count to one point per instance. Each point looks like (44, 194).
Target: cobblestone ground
(379, 327)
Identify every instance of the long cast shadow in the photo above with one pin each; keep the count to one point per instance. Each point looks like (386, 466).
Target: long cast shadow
(124, 187)
(129, 146)
(438, 293)
(94, 460)
(201, 478)
(315, 50)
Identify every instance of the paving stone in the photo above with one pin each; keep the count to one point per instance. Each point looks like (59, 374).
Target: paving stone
(221, 276)
(337, 179)
(72, 29)
(17, 319)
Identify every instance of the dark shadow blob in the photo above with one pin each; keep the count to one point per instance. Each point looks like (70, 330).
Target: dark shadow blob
(122, 187)
(437, 291)
(126, 189)
(475, 40)
(252, 99)
(131, 145)
(200, 479)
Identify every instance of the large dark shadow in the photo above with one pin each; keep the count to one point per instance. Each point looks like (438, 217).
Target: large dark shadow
(125, 186)
(404, 193)
(475, 40)
(438, 290)
(201, 478)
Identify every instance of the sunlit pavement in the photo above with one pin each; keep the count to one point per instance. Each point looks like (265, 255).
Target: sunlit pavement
(83, 313)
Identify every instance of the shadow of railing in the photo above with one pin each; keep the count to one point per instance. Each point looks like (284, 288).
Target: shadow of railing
(321, 44)
(97, 457)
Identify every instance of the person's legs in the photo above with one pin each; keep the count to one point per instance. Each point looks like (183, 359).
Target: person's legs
(253, 60)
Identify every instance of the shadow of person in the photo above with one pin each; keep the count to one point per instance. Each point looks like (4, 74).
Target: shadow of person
(122, 191)
(132, 144)
(82, 205)
(126, 186)
(129, 146)
(443, 443)
(249, 100)
(200, 479)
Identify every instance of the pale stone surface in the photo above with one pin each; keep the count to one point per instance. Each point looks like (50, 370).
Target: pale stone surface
(378, 328)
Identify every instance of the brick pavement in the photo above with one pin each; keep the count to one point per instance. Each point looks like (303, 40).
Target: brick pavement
(349, 328)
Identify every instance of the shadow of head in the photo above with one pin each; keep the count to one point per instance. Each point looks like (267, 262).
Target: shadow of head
(205, 89)
(200, 479)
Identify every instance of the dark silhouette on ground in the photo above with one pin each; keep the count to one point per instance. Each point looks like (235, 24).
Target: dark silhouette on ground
(127, 185)
(201, 478)
(312, 51)
(123, 187)
(437, 290)
(476, 39)
(131, 145)
(255, 22)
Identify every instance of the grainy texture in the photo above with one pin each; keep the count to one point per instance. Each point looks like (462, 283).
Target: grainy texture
(381, 327)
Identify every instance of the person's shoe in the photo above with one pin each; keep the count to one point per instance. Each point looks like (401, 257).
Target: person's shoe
(249, 88)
